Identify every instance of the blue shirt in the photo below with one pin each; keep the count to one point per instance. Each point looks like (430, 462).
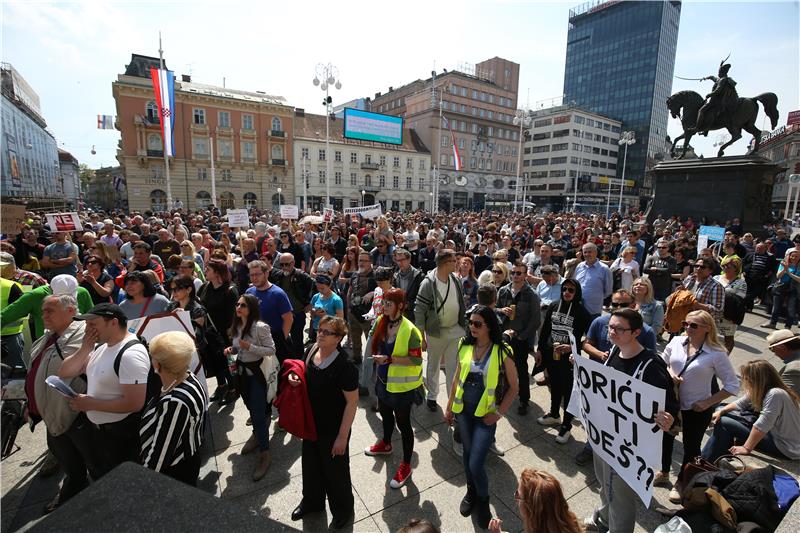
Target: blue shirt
(549, 293)
(598, 334)
(330, 305)
(274, 304)
(596, 284)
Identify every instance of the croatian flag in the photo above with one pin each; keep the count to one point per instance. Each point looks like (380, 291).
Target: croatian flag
(105, 122)
(164, 87)
(456, 157)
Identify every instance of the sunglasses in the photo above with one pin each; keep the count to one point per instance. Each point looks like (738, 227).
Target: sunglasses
(569, 290)
(476, 323)
(518, 273)
(617, 305)
(326, 333)
(698, 267)
(497, 271)
(92, 262)
(691, 325)
(286, 264)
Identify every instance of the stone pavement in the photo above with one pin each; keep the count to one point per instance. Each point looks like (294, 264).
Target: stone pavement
(433, 492)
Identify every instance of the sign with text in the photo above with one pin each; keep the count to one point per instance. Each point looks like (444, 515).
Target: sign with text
(366, 211)
(366, 126)
(793, 118)
(13, 217)
(238, 218)
(714, 233)
(290, 212)
(618, 412)
(327, 214)
(64, 222)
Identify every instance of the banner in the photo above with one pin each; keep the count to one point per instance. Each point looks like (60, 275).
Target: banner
(618, 412)
(64, 222)
(290, 212)
(12, 218)
(238, 218)
(366, 211)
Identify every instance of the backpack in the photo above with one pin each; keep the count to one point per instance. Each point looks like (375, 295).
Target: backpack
(735, 308)
(153, 381)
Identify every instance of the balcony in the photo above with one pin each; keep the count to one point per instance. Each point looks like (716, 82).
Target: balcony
(369, 166)
(277, 162)
(277, 133)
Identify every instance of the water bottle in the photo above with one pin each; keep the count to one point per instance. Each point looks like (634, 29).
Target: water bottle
(232, 359)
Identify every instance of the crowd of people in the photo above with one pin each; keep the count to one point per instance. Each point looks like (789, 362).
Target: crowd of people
(376, 309)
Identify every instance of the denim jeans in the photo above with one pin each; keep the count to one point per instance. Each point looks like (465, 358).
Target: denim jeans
(259, 410)
(790, 297)
(726, 431)
(476, 438)
(617, 509)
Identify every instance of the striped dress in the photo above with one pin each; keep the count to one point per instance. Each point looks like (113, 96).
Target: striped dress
(172, 425)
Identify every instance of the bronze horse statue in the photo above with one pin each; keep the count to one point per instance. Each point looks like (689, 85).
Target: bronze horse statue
(741, 117)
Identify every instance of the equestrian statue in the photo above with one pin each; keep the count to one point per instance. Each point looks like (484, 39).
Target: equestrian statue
(721, 108)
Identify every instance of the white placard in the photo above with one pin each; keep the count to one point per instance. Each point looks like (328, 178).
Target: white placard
(702, 242)
(238, 218)
(366, 211)
(64, 222)
(618, 412)
(290, 212)
(327, 214)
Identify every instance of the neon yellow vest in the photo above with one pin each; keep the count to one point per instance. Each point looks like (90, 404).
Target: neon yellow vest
(5, 292)
(487, 401)
(403, 378)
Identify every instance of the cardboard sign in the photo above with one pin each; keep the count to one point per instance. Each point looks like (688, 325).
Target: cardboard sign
(327, 214)
(290, 212)
(12, 218)
(618, 412)
(64, 222)
(238, 218)
(366, 211)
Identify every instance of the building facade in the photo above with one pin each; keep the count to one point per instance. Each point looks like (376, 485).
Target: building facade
(566, 145)
(782, 146)
(70, 178)
(620, 63)
(363, 172)
(251, 134)
(479, 104)
(30, 164)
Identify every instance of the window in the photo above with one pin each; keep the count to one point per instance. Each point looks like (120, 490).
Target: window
(276, 124)
(224, 119)
(409, 163)
(560, 133)
(225, 147)
(202, 173)
(382, 160)
(322, 177)
(421, 186)
(304, 153)
(443, 159)
(247, 122)
(353, 157)
(396, 162)
(542, 123)
(337, 178)
(490, 131)
(322, 154)
(540, 149)
(277, 151)
(200, 146)
(337, 156)
(579, 119)
(539, 162)
(560, 147)
(462, 144)
(152, 112)
(396, 182)
(198, 116)
(249, 176)
(154, 143)
(381, 181)
(368, 180)
(225, 174)
(408, 182)
(558, 161)
(248, 150)
(422, 164)
(368, 159)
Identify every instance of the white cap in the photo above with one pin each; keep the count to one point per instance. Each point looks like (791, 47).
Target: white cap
(64, 284)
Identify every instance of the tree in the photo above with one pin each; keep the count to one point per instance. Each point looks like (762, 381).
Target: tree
(86, 175)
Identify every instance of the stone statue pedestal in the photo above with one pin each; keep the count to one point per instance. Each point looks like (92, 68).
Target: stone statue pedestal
(718, 188)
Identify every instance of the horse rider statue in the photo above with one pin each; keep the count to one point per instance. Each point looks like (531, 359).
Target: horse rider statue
(720, 101)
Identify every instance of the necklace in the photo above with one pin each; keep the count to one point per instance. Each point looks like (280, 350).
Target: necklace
(393, 323)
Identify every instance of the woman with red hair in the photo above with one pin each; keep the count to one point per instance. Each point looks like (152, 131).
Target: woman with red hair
(397, 349)
(542, 505)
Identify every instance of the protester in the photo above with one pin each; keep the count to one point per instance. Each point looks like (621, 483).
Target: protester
(549, 288)
(359, 300)
(786, 346)
(141, 299)
(785, 291)
(298, 287)
(96, 281)
(275, 308)
(651, 309)
(708, 293)
(408, 278)
(324, 303)
(218, 296)
(735, 293)
(173, 423)
(60, 257)
(626, 268)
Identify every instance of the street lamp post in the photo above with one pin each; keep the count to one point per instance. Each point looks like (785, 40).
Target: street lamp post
(627, 138)
(305, 184)
(524, 119)
(279, 197)
(327, 76)
(363, 192)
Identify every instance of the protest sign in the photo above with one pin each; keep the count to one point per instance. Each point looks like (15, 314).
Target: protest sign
(702, 242)
(12, 218)
(238, 218)
(366, 211)
(64, 222)
(290, 212)
(714, 233)
(327, 214)
(618, 412)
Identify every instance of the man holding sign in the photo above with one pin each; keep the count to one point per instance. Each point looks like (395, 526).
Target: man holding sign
(624, 417)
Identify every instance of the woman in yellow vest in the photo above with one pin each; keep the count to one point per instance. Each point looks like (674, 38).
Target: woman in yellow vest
(399, 385)
(473, 399)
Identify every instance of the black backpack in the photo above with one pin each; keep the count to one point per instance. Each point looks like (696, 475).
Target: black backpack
(153, 381)
(735, 308)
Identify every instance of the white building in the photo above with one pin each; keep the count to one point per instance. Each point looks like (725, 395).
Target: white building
(396, 176)
(566, 142)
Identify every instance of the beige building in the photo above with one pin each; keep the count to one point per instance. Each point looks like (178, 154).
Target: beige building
(396, 176)
(479, 103)
(251, 134)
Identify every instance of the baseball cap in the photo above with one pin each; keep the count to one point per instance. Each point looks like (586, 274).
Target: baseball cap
(64, 284)
(779, 337)
(104, 310)
(6, 259)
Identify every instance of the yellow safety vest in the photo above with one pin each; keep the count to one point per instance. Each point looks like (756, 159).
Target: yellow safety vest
(5, 292)
(487, 401)
(403, 378)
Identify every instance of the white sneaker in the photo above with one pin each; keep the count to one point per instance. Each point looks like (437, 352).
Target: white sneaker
(563, 435)
(497, 450)
(548, 420)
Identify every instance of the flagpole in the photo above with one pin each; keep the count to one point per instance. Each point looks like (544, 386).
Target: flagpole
(164, 134)
(439, 144)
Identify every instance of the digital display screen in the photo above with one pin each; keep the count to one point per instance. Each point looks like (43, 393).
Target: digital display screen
(366, 126)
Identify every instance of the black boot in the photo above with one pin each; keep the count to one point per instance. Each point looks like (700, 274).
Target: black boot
(468, 503)
(484, 514)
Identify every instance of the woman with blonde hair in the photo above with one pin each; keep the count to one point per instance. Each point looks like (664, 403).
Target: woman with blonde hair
(652, 310)
(542, 505)
(776, 431)
(499, 274)
(735, 287)
(626, 267)
(188, 251)
(693, 360)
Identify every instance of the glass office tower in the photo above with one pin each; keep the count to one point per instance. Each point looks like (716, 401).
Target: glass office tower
(620, 63)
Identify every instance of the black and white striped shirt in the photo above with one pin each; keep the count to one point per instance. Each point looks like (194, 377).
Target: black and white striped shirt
(172, 425)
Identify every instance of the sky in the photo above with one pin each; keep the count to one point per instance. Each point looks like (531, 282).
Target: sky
(71, 52)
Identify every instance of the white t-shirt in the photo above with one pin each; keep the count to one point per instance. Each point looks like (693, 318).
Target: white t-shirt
(448, 316)
(412, 239)
(102, 381)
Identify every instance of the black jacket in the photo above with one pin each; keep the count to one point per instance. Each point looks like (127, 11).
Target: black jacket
(581, 320)
(297, 286)
(411, 293)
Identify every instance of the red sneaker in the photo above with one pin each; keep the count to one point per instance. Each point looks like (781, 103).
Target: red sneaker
(380, 448)
(402, 475)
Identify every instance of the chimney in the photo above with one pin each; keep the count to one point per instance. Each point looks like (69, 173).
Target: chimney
(391, 89)
(377, 95)
(186, 77)
(299, 112)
